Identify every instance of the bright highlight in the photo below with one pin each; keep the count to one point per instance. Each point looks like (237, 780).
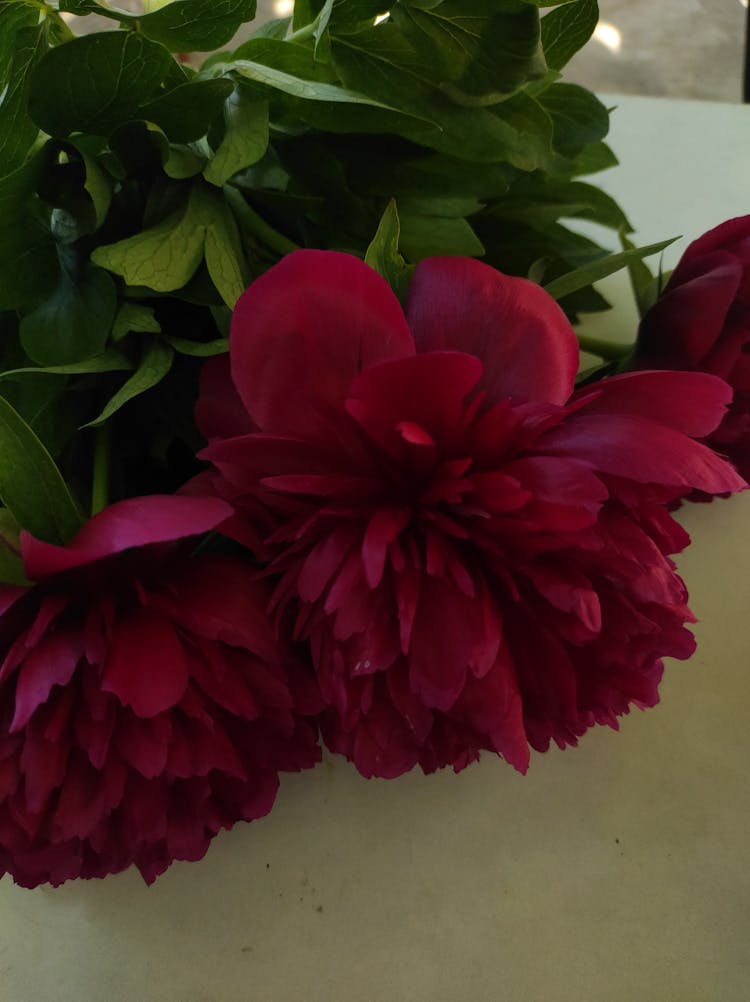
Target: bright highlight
(608, 35)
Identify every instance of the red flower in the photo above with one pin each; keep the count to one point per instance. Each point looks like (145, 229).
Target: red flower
(701, 322)
(144, 702)
(478, 560)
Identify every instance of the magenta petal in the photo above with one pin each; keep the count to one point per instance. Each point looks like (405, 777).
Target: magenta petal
(682, 326)
(642, 450)
(528, 348)
(219, 412)
(52, 662)
(691, 402)
(733, 236)
(219, 599)
(427, 390)
(147, 668)
(137, 521)
(304, 330)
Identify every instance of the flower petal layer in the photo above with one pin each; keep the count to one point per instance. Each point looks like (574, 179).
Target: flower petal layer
(278, 339)
(526, 344)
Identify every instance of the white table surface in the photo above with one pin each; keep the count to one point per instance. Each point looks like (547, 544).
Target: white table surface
(615, 872)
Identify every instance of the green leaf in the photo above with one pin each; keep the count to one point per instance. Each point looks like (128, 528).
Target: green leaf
(186, 112)
(277, 27)
(154, 365)
(287, 56)
(183, 162)
(245, 138)
(96, 82)
(380, 62)
(578, 117)
(646, 287)
(163, 258)
(136, 319)
(427, 236)
(11, 564)
(597, 270)
(383, 254)
(17, 130)
(180, 26)
(73, 322)
(199, 349)
(594, 157)
(196, 25)
(225, 258)
(567, 29)
(98, 187)
(109, 361)
(14, 17)
(306, 90)
(28, 258)
(538, 200)
(476, 55)
(31, 486)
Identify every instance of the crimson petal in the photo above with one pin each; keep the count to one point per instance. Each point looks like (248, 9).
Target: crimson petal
(135, 522)
(304, 330)
(147, 668)
(525, 342)
(691, 402)
(644, 451)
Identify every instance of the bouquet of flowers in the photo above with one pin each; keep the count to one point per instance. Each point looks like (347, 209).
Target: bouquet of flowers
(294, 447)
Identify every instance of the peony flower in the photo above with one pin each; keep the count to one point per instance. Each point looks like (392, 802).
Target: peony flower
(701, 322)
(144, 701)
(477, 557)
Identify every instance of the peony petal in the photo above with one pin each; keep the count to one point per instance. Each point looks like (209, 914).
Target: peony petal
(219, 412)
(147, 667)
(691, 402)
(427, 390)
(220, 598)
(135, 522)
(52, 662)
(732, 236)
(43, 764)
(525, 342)
(642, 450)
(304, 330)
(682, 326)
(383, 529)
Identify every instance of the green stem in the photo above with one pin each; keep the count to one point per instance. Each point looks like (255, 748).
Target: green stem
(64, 32)
(305, 32)
(253, 223)
(100, 479)
(602, 348)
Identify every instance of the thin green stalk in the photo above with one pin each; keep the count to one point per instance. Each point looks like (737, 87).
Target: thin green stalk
(100, 478)
(306, 31)
(250, 221)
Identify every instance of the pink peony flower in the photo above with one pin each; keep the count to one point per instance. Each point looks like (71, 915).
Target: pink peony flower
(478, 557)
(701, 322)
(144, 701)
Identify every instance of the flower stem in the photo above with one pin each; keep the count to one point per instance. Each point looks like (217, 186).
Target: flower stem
(100, 479)
(254, 224)
(602, 348)
(306, 31)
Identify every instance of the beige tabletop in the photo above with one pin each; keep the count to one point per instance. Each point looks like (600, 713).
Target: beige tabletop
(615, 872)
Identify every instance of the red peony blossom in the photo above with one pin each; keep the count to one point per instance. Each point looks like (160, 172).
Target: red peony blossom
(701, 322)
(144, 701)
(477, 557)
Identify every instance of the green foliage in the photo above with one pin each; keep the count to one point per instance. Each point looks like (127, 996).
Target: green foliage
(139, 197)
(31, 486)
